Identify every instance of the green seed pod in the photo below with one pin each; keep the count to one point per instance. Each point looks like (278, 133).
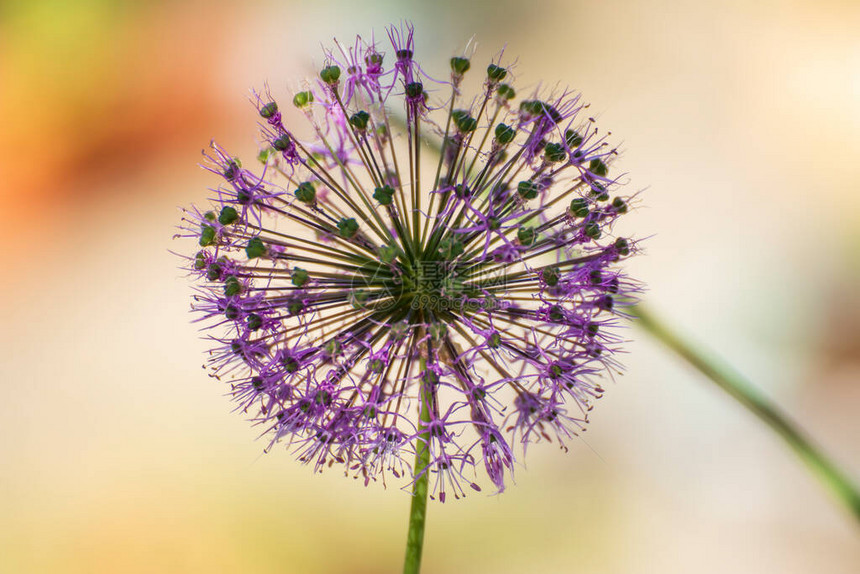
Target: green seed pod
(228, 216)
(592, 230)
(207, 236)
(387, 254)
(528, 189)
(282, 143)
(496, 74)
(572, 138)
(333, 348)
(598, 168)
(330, 75)
(555, 152)
(550, 276)
(622, 246)
(505, 134)
(358, 298)
(210, 216)
(347, 227)
(359, 120)
(506, 92)
(214, 272)
(619, 205)
(462, 191)
(269, 110)
(579, 207)
(414, 90)
(451, 247)
(232, 286)
(254, 322)
(303, 99)
(231, 312)
(295, 307)
(464, 122)
(598, 191)
(200, 260)
(306, 192)
(494, 341)
(299, 277)
(384, 195)
(255, 248)
(233, 168)
(526, 236)
(460, 66)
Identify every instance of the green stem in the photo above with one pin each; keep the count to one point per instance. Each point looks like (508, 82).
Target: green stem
(746, 394)
(418, 510)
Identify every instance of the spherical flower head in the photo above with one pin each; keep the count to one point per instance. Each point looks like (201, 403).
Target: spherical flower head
(363, 302)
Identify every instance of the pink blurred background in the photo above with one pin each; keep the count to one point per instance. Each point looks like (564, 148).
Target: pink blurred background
(118, 453)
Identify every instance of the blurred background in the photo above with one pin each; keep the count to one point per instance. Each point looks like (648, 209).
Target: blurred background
(119, 454)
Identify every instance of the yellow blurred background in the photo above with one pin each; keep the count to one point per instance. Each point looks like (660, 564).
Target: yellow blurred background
(118, 454)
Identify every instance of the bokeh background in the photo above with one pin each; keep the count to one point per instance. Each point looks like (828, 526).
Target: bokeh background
(118, 453)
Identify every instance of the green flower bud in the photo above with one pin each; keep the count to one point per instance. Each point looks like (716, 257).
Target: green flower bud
(358, 298)
(231, 312)
(622, 246)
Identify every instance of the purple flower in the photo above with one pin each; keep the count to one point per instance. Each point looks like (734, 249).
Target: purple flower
(361, 302)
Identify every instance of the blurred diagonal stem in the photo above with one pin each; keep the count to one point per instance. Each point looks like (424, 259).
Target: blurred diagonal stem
(418, 509)
(745, 393)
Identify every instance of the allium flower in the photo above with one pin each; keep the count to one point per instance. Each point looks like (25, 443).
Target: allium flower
(364, 302)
